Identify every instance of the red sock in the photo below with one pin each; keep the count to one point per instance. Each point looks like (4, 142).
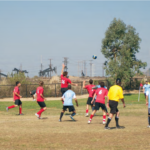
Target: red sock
(104, 118)
(20, 110)
(39, 113)
(91, 116)
(87, 111)
(11, 106)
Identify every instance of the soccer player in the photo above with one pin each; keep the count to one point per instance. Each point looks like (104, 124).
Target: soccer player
(33, 94)
(115, 94)
(145, 88)
(16, 96)
(91, 94)
(67, 98)
(65, 81)
(100, 95)
(96, 87)
(148, 104)
(40, 99)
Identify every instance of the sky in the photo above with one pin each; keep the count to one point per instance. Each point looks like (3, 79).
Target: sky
(57, 29)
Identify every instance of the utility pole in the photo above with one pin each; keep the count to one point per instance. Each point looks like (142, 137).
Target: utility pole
(85, 68)
(91, 70)
(50, 66)
(66, 63)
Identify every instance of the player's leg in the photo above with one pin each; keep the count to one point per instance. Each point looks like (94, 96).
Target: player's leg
(13, 106)
(87, 106)
(104, 113)
(149, 117)
(96, 107)
(92, 115)
(113, 106)
(117, 118)
(72, 109)
(61, 114)
(34, 97)
(43, 108)
(20, 107)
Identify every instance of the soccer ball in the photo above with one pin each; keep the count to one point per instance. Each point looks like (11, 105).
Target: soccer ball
(94, 57)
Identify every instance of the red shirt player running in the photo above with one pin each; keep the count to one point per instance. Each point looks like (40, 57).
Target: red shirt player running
(65, 81)
(101, 93)
(16, 96)
(91, 93)
(40, 99)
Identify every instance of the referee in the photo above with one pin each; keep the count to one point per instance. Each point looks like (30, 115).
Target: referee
(115, 94)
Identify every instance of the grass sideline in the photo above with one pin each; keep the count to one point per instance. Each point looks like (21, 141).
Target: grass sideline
(29, 107)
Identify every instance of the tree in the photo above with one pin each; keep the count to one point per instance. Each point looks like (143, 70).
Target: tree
(120, 45)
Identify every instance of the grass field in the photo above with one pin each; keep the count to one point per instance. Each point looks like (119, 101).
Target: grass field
(28, 133)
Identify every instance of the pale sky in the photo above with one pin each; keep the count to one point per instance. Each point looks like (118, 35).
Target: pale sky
(29, 30)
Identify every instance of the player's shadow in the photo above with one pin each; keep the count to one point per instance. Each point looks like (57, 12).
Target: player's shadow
(69, 120)
(44, 118)
(121, 127)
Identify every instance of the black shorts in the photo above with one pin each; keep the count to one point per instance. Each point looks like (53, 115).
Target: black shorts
(63, 90)
(89, 100)
(42, 104)
(99, 105)
(71, 108)
(18, 102)
(113, 106)
(145, 95)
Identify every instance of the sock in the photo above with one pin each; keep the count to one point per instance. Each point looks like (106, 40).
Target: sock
(20, 110)
(61, 115)
(104, 118)
(87, 111)
(91, 117)
(117, 119)
(11, 106)
(108, 121)
(73, 114)
(40, 112)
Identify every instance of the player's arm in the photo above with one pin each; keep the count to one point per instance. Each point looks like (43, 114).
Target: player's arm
(63, 66)
(76, 102)
(93, 98)
(17, 94)
(42, 96)
(147, 93)
(84, 87)
(123, 102)
(74, 84)
(143, 89)
(95, 87)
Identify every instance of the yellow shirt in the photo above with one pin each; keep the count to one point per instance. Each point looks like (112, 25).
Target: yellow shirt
(115, 93)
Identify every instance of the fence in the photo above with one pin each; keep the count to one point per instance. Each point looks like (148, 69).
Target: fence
(50, 90)
(54, 90)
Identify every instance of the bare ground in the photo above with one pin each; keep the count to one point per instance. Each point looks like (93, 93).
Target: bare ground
(29, 133)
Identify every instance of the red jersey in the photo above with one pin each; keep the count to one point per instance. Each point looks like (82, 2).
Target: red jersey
(40, 91)
(64, 81)
(90, 90)
(16, 90)
(101, 93)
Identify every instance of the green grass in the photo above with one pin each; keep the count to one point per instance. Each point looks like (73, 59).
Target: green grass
(30, 107)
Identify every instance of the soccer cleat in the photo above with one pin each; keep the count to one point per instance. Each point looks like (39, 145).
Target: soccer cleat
(7, 109)
(38, 116)
(119, 127)
(104, 122)
(148, 126)
(72, 118)
(86, 115)
(89, 121)
(59, 120)
(107, 128)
